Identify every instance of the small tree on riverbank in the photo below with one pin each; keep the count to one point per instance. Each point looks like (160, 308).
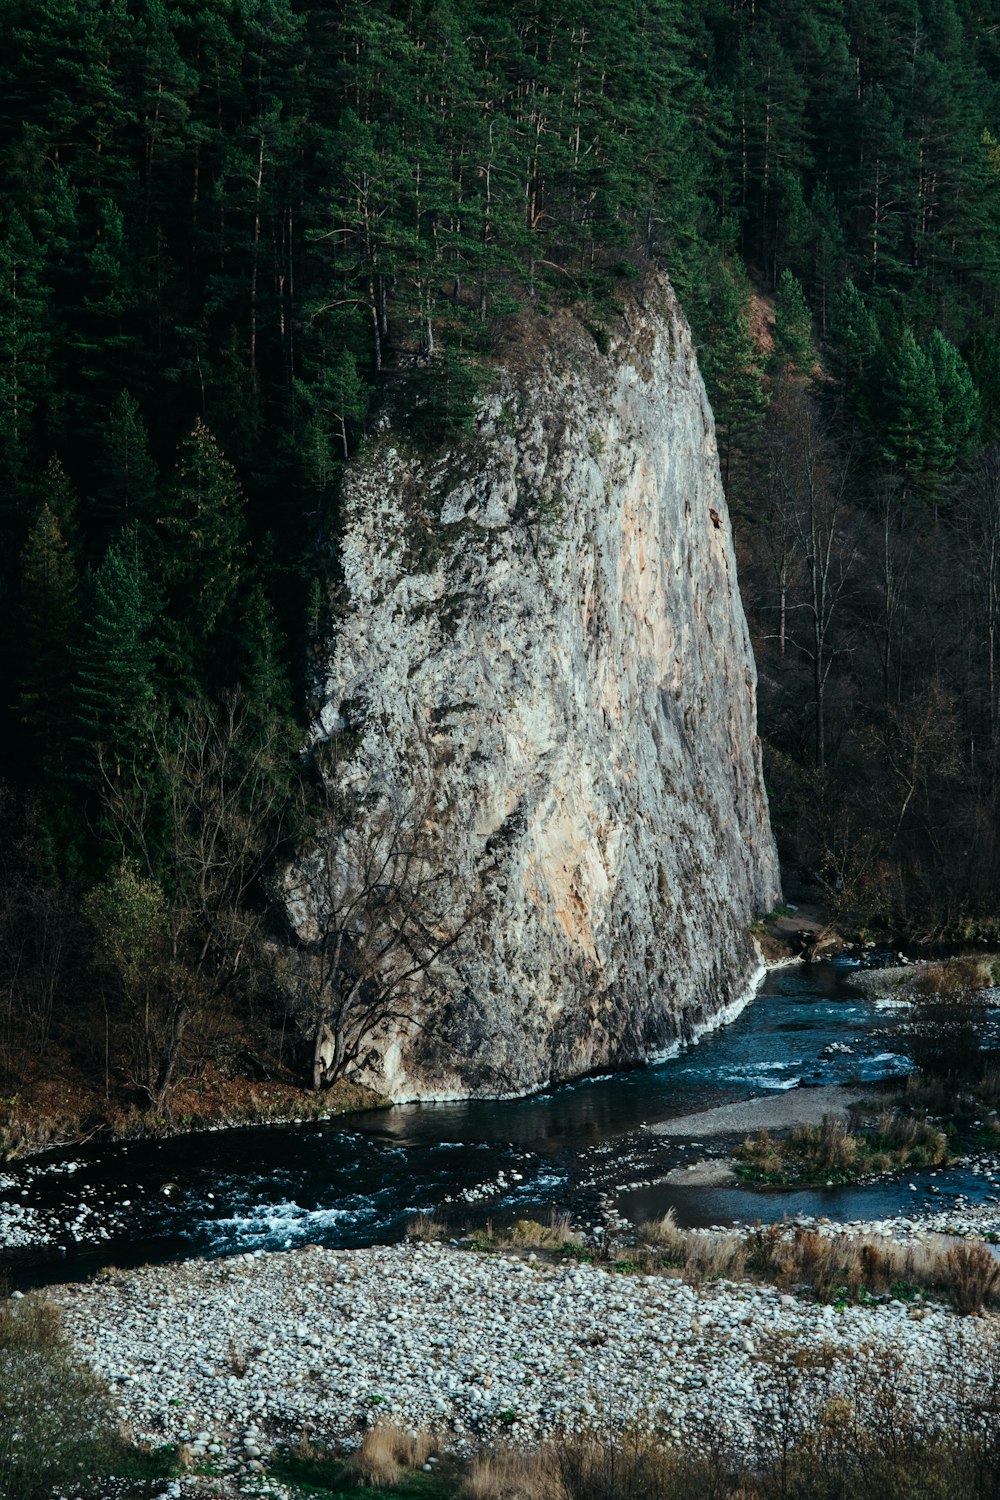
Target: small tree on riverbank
(383, 914)
(177, 921)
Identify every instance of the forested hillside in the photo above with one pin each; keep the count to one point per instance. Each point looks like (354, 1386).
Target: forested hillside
(233, 231)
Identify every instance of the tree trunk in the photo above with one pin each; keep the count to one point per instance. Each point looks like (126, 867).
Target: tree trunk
(168, 1060)
(318, 1066)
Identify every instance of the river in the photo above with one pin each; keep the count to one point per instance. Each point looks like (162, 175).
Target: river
(357, 1180)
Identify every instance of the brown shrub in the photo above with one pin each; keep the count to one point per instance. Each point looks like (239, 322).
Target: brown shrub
(425, 1228)
(953, 979)
(972, 1275)
(531, 1234)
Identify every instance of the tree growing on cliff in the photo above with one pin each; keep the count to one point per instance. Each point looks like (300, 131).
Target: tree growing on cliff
(384, 913)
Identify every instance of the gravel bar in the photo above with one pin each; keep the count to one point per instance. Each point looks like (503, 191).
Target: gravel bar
(231, 1356)
(773, 1112)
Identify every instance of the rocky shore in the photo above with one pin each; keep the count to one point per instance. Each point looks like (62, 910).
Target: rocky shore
(229, 1357)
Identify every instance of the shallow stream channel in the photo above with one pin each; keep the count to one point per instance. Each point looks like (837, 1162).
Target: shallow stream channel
(581, 1148)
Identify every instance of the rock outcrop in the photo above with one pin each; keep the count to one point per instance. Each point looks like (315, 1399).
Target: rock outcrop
(538, 639)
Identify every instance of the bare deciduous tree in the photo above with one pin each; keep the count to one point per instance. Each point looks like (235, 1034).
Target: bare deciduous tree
(187, 879)
(382, 913)
(815, 477)
(979, 521)
(887, 610)
(40, 940)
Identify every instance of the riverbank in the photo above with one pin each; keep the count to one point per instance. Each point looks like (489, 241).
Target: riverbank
(65, 1109)
(56, 1112)
(226, 1359)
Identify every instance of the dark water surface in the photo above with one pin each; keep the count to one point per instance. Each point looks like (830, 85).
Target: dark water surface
(356, 1180)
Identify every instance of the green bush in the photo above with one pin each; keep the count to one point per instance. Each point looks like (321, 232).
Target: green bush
(830, 1152)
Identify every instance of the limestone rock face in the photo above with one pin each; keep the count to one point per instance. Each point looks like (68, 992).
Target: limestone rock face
(539, 638)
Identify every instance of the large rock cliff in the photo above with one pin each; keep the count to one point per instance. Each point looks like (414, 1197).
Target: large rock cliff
(538, 638)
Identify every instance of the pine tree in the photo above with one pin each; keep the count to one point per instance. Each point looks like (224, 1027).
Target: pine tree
(129, 478)
(199, 554)
(912, 420)
(855, 347)
(959, 398)
(102, 337)
(884, 200)
(25, 348)
(114, 692)
(730, 359)
(57, 491)
(340, 396)
(794, 343)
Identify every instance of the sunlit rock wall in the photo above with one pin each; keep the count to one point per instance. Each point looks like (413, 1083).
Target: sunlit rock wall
(538, 640)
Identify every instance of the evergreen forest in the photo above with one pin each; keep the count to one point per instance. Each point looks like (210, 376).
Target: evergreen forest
(234, 231)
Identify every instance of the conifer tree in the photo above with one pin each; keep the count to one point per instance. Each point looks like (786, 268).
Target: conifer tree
(855, 347)
(912, 420)
(958, 395)
(731, 360)
(24, 346)
(200, 549)
(129, 478)
(341, 397)
(57, 491)
(115, 660)
(794, 344)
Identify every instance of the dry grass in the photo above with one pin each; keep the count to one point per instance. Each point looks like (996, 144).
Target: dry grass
(955, 979)
(665, 1234)
(973, 1275)
(507, 1473)
(425, 1228)
(834, 1268)
(631, 1465)
(531, 1234)
(822, 1429)
(846, 1267)
(822, 1426)
(971, 1104)
(699, 1255)
(387, 1453)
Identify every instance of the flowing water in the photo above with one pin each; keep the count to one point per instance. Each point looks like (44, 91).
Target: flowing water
(356, 1180)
